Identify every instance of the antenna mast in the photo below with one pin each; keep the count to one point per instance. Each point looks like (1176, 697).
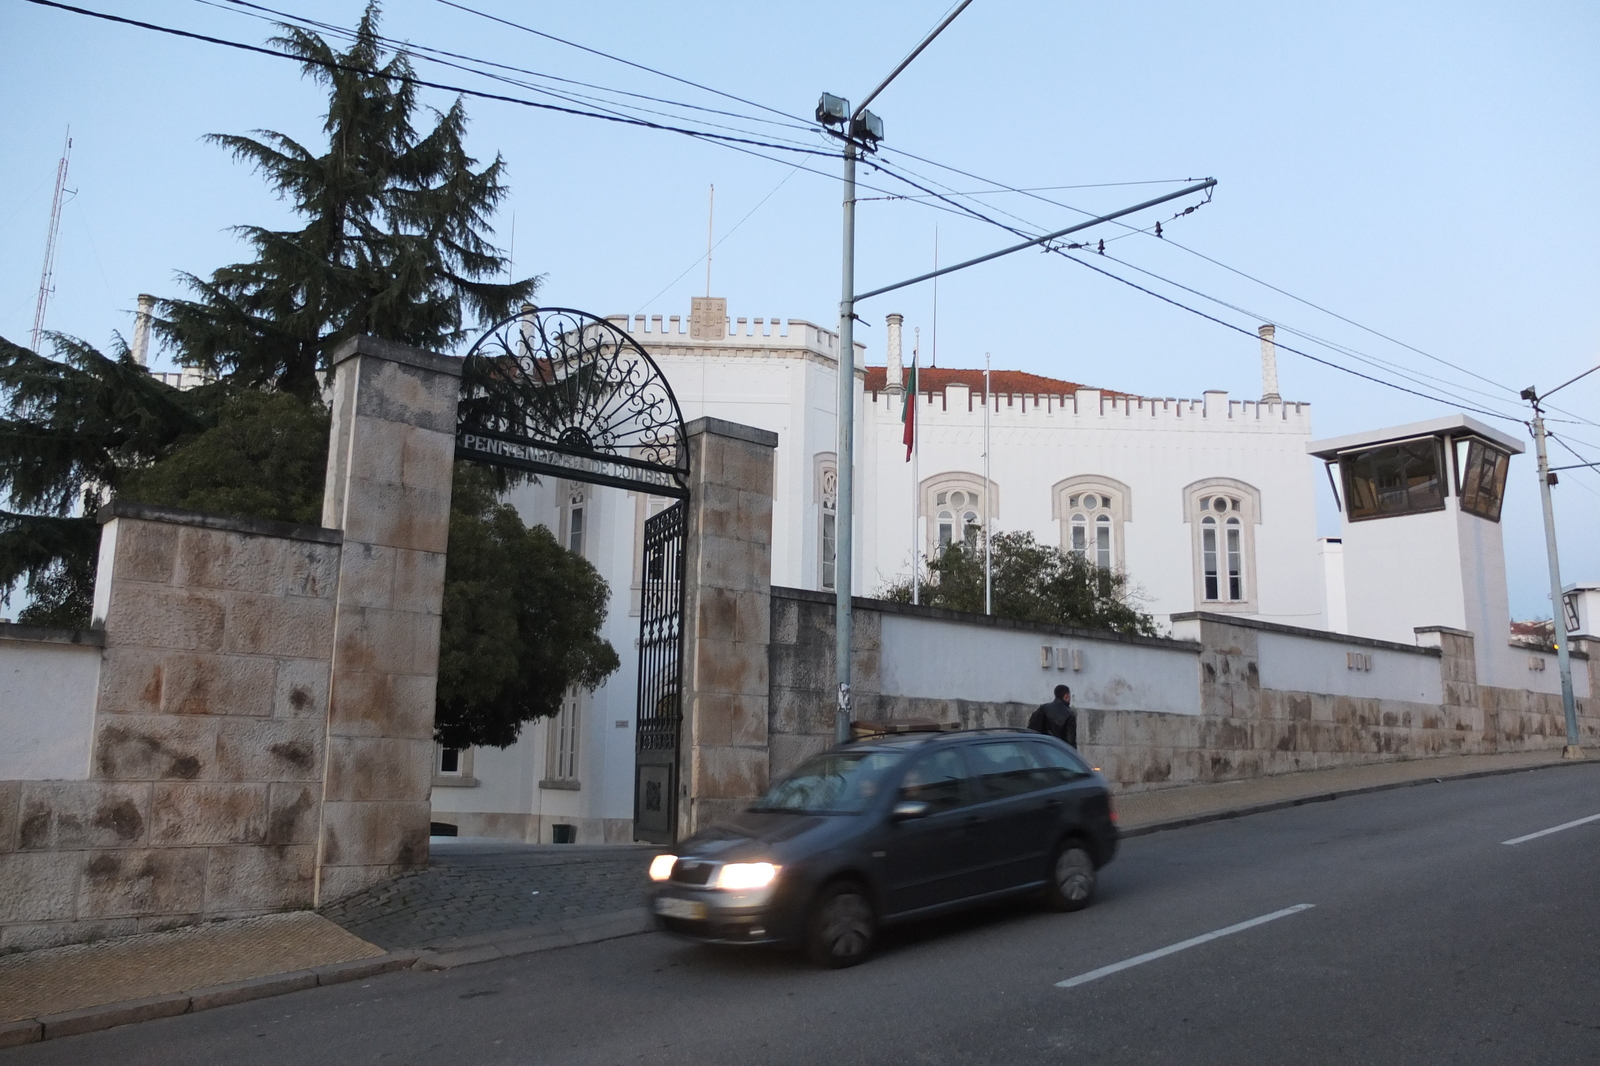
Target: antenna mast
(47, 276)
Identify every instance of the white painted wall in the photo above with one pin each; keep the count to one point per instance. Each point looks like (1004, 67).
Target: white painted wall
(950, 660)
(1308, 664)
(1335, 611)
(47, 697)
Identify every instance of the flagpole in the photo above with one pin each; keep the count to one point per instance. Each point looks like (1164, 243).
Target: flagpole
(916, 484)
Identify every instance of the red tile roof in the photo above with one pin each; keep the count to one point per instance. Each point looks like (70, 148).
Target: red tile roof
(1003, 382)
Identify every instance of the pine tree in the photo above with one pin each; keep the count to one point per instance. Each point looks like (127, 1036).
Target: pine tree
(71, 429)
(395, 236)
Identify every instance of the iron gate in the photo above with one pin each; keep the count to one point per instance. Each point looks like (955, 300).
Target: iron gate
(655, 786)
(561, 392)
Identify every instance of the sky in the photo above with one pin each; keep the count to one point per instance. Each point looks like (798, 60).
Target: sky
(1423, 173)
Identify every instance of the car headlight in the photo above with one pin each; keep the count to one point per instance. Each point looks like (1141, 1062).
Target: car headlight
(745, 875)
(661, 867)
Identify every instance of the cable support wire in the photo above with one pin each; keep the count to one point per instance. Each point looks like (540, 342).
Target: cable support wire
(1589, 465)
(429, 84)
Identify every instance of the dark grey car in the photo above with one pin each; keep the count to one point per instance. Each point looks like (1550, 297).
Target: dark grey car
(890, 829)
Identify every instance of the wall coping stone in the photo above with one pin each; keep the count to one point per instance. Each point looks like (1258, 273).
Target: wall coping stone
(1451, 630)
(395, 352)
(95, 638)
(1301, 631)
(1540, 649)
(259, 527)
(723, 428)
(992, 621)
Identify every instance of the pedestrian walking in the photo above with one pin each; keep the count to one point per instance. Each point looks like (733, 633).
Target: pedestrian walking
(1057, 718)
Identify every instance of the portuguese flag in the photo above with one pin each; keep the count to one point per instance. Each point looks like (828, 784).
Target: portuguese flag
(908, 410)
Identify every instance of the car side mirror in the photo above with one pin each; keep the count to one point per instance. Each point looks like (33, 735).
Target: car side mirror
(906, 810)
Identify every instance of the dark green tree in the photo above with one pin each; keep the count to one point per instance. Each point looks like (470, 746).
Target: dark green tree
(395, 235)
(71, 430)
(1031, 582)
(522, 618)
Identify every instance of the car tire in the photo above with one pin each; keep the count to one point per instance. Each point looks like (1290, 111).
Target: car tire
(842, 928)
(1072, 877)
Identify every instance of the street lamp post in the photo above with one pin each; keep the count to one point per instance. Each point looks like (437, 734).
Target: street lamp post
(861, 129)
(1563, 661)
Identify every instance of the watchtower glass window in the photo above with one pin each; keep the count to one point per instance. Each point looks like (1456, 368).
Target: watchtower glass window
(1481, 473)
(1395, 479)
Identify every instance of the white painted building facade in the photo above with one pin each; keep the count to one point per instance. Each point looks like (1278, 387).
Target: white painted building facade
(1207, 504)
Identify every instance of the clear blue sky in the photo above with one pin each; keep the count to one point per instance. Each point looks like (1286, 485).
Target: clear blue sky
(1428, 170)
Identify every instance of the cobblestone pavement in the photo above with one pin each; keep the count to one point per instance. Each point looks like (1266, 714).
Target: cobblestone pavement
(67, 978)
(472, 887)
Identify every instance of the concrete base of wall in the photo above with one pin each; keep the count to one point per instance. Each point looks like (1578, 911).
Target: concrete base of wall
(537, 829)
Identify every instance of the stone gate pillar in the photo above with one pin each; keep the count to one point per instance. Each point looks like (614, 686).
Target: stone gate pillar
(390, 456)
(727, 620)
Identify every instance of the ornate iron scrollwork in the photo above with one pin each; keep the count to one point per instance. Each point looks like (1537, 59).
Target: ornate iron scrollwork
(558, 391)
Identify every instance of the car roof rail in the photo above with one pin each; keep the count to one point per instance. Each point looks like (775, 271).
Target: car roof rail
(864, 730)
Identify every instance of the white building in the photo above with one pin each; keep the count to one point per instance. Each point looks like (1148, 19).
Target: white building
(1207, 504)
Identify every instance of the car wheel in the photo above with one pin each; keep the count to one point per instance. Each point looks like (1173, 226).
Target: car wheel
(1072, 878)
(842, 929)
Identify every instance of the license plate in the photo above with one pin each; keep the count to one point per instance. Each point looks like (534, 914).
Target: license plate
(669, 907)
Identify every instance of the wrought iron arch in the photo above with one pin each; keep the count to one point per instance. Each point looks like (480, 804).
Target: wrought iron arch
(557, 391)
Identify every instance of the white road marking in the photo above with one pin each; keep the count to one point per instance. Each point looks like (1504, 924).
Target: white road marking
(1151, 956)
(1553, 829)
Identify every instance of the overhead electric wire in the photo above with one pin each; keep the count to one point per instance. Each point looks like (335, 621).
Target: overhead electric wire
(420, 53)
(745, 145)
(413, 48)
(950, 205)
(619, 59)
(428, 84)
(1219, 321)
(1589, 464)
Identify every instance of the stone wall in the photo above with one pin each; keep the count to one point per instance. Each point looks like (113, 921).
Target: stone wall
(1242, 730)
(260, 736)
(205, 779)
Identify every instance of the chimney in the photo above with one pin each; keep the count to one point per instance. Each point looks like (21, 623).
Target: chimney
(894, 379)
(1269, 365)
(141, 329)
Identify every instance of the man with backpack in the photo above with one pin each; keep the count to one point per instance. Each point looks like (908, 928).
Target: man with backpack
(1056, 718)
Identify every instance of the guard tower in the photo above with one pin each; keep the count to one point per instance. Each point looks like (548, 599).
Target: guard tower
(1422, 542)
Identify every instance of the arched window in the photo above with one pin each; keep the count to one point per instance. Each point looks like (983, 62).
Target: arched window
(1224, 513)
(955, 506)
(1092, 510)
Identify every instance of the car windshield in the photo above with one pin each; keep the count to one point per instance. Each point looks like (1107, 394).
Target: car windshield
(837, 783)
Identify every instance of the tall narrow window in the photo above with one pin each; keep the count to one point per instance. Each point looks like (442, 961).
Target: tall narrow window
(1235, 560)
(561, 746)
(1080, 535)
(576, 515)
(1208, 557)
(829, 538)
(1102, 542)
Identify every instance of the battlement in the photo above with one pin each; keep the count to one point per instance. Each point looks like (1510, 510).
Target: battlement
(772, 332)
(1215, 409)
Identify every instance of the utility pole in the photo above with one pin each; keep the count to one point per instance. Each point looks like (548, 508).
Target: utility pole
(860, 129)
(47, 276)
(1563, 660)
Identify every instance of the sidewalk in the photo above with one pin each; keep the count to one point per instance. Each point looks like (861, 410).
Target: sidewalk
(1171, 808)
(483, 899)
(83, 987)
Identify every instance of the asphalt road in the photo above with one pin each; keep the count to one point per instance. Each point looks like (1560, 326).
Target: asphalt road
(1428, 941)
